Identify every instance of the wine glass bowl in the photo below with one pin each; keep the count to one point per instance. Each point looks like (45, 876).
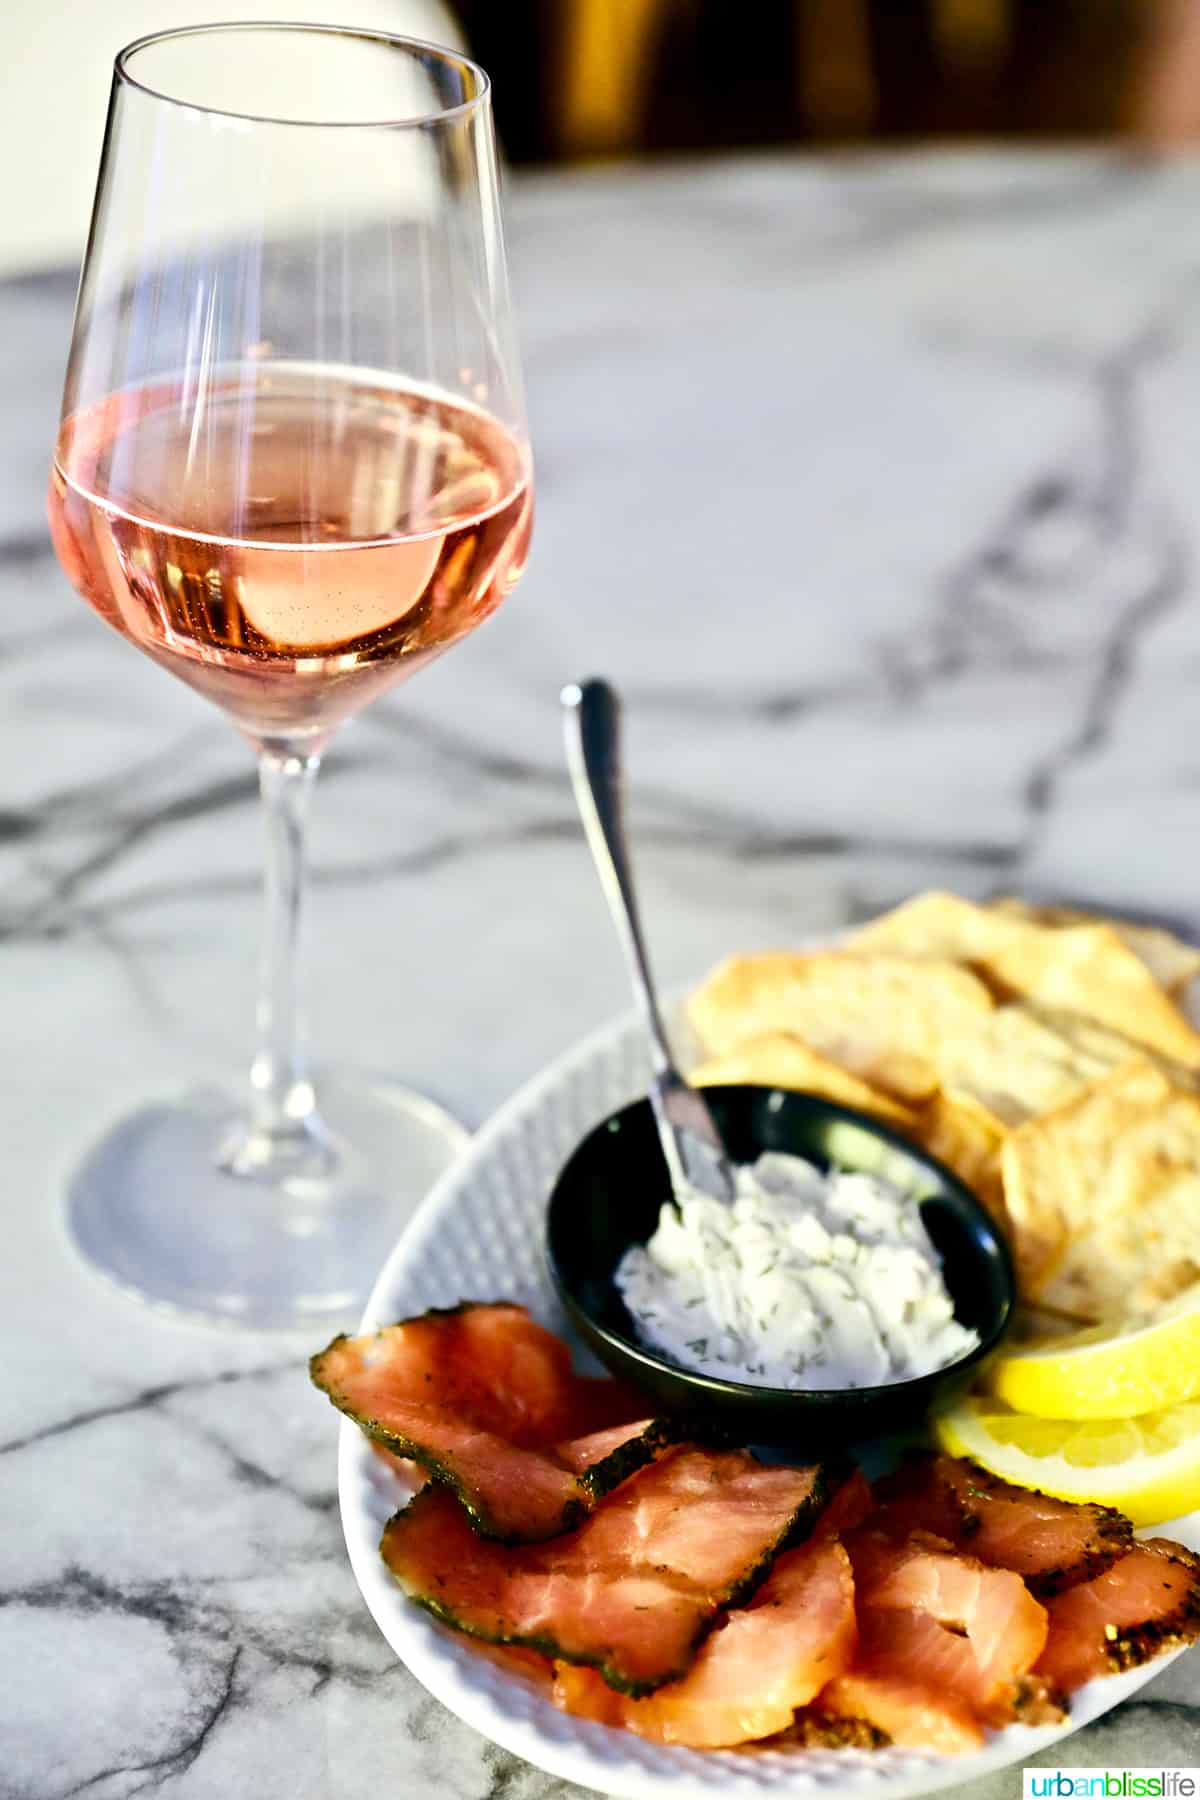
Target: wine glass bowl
(332, 534)
(292, 469)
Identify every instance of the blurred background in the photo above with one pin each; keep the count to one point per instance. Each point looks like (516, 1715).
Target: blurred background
(602, 77)
(586, 79)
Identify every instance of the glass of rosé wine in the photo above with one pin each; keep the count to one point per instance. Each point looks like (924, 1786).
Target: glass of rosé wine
(292, 469)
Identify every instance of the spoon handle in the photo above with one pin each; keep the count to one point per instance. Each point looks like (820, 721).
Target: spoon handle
(690, 1140)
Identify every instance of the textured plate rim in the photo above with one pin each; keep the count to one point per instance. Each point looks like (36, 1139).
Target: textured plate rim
(594, 1756)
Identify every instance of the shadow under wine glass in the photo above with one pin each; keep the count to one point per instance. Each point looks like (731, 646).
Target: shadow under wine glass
(293, 468)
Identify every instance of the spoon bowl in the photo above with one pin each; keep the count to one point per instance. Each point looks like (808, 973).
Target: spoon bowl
(609, 1195)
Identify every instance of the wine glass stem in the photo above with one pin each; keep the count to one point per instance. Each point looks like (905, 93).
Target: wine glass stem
(284, 1107)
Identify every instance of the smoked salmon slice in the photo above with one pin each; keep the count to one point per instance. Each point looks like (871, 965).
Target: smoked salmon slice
(1051, 1543)
(1147, 1602)
(769, 1658)
(632, 1591)
(903, 1709)
(931, 1615)
(483, 1397)
(701, 1598)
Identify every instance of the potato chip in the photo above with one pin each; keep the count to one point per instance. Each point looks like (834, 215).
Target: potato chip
(1173, 963)
(777, 1059)
(1083, 969)
(1104, 1197)
(878, 1017)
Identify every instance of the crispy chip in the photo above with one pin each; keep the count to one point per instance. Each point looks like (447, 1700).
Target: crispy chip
(1061, 1087)
(1008, 1065)
(1104, 1197)
(1173, 963)
(879, 1017)
(1083, 969)
(777, 1059)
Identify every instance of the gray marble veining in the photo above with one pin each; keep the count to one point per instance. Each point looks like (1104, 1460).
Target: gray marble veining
(872, 483)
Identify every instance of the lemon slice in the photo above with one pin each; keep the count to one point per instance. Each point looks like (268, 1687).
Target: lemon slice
(1148, 1467)
(1104, 1372)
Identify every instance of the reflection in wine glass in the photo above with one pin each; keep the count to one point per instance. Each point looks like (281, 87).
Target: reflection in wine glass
(292, 468)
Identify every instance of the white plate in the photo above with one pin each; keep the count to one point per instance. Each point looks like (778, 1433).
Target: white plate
(479, 1236)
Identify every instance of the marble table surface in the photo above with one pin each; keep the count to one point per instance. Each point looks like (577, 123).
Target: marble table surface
(873, 482)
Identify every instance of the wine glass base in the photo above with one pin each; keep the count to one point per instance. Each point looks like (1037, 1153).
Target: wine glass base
(152, 1208)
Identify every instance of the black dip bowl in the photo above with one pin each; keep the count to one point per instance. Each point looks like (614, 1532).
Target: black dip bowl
(609, 1196)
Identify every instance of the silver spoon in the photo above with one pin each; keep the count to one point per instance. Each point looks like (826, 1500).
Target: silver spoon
(691, 1143)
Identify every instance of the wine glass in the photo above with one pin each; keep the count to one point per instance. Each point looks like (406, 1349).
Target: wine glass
(292, 469)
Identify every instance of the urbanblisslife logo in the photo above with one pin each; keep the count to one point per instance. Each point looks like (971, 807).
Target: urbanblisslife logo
(1111, 1784)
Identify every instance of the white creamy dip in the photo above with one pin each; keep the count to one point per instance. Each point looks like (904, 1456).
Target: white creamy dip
(807, 1280)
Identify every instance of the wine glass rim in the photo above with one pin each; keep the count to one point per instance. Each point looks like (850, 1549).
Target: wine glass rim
(393, 40)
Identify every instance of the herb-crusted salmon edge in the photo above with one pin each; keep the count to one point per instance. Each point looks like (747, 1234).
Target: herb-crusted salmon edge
(1038, 1702)
(634, 1454)
(1112, 1539)
(798, 1527)
(395, 1441)
(1138, 1644)
(315, 1374)
(594, 1483)
(812, 1729)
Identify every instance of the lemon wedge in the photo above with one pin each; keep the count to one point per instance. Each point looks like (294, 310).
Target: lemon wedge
(1148, 1466)
(1105, 1372)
